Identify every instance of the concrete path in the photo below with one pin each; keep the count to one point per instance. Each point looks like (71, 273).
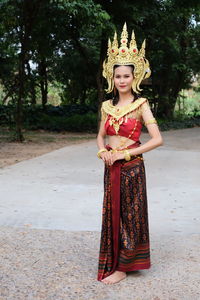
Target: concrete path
(50, 221)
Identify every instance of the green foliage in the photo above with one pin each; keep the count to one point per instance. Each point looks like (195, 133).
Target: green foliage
(65, 42)
(73, 118)
(76, 118)
(7, 114)
(188, 104)
(75, 123)
(172, 31)
(63, 38)
(178, 123)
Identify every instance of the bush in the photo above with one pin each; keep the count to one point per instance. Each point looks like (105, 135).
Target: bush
(178, 124)
(74, 118)
(6, 114)
(54, 118)
(75, 123)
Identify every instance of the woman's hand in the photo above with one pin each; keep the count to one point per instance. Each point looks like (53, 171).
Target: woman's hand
(109, 158)
(106, 157)
(116, 156)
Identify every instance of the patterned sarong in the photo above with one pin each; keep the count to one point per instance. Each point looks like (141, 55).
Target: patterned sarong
(124, 244)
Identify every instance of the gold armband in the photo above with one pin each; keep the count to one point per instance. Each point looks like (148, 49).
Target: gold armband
(151, 121)
(127, 155)
(100, 151)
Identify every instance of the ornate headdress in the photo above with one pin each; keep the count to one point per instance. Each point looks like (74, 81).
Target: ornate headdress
(126, 56)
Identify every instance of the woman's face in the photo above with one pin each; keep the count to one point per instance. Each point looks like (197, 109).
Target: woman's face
(123, 78)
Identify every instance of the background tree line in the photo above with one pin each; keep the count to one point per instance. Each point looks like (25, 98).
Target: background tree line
(64, 43)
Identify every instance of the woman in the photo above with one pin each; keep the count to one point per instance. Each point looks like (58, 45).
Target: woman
(125, 234)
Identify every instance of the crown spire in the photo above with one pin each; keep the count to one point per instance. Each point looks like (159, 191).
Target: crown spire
(133, 43)
(142, 50)
(124, 36)
(115, 42)
(109, 46)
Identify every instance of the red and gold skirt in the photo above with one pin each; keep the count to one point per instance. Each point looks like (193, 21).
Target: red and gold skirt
(124, 244)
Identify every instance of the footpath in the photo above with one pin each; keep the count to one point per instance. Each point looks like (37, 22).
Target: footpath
(50, 222)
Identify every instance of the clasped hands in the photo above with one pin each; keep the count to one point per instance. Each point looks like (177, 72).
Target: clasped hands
(109, 157)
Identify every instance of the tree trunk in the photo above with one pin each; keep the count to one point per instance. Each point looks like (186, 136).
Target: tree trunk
(29, 13)
(168, 93)
(99, 77)
(83, 97)
(20, 98)
(32, 84)
(43, 82)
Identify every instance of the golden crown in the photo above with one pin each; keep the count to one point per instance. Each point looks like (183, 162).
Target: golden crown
(126, 56)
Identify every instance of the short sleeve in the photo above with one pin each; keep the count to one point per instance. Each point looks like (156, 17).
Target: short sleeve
(103, 114)
(145, 106)
(148, 117)
(142, 108)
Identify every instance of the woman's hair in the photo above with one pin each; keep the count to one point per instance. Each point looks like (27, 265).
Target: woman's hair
(116, 93)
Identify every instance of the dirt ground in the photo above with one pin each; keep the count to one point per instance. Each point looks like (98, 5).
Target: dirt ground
(36, 143)
(40, 142)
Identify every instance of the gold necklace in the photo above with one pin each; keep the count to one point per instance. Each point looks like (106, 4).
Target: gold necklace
(123, 142)
(116, 123)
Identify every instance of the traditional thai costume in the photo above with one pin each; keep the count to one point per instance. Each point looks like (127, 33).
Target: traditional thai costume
(124, 244)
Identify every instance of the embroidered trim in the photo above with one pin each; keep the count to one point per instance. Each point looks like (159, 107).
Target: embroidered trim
(118, 112)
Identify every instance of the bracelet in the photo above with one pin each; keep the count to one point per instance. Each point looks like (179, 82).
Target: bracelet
(151, 121)
(127, 155)
(100, 151)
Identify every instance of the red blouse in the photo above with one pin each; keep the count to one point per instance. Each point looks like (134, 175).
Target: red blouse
(128, 127)
(121, 120)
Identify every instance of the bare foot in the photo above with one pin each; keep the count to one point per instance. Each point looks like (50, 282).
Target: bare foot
(114, 278)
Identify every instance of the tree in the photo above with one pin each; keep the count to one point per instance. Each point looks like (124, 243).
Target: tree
(46, 41)
(45, 33)
(19, 19)
(171, 28)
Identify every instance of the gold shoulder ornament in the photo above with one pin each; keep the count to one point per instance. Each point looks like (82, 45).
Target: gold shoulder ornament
(118, 112)
(125, 55)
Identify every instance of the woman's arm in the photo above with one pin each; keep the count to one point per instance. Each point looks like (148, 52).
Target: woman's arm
(101, 135)
(105, 156)
(156, 138)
